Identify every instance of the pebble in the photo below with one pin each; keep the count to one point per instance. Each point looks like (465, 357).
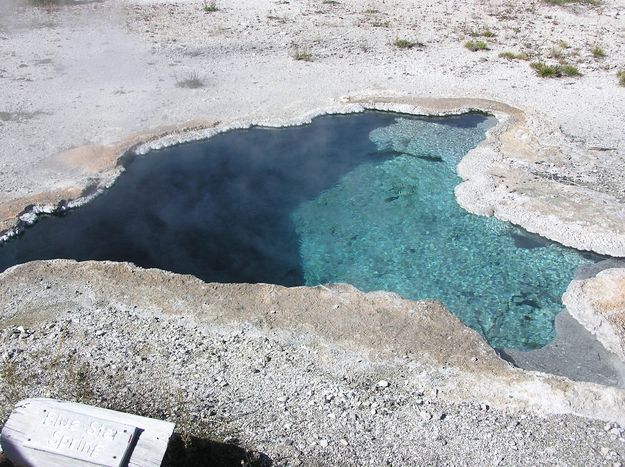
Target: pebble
(401, 408)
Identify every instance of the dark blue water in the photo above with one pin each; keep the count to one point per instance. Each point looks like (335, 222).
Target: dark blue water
(365, 199)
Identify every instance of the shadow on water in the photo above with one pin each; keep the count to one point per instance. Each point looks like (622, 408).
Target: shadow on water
(218, 209)
(466, 121)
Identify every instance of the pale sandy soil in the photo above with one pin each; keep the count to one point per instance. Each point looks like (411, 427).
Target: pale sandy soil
(95, 73)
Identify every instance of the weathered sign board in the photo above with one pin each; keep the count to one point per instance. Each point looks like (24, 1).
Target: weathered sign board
(51, 433)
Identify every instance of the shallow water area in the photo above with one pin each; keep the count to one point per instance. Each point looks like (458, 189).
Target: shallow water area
(365, 199)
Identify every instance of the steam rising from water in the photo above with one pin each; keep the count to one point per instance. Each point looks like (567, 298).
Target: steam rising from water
(365, 199)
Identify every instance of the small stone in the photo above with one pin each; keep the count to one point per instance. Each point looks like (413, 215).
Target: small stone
(323, 443)
(383, 384)
(425, 415)
(21, 329)
(484, 407)
(344, 442)
(282, 399)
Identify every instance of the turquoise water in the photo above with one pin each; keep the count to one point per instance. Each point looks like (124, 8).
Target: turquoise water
(365, 199)
(396, 226)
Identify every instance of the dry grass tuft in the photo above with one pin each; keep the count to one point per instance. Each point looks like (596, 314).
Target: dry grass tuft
(545, 70)
(210, 7)
(405, 43)
(514, 56)
(192, 81)
(598, 52)
(475, 46)
(301, 54)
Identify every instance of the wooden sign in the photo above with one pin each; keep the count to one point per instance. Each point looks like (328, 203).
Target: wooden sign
(48, 432)
(81, 437)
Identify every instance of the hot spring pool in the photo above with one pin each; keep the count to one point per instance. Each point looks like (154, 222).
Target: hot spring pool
(365, 199)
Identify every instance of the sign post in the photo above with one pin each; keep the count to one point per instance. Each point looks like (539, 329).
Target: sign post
(48, 432)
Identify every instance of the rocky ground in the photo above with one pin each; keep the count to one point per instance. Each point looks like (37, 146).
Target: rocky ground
(346, 378)
(293, 401)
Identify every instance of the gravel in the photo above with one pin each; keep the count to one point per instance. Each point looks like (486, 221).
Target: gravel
(294, 401)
